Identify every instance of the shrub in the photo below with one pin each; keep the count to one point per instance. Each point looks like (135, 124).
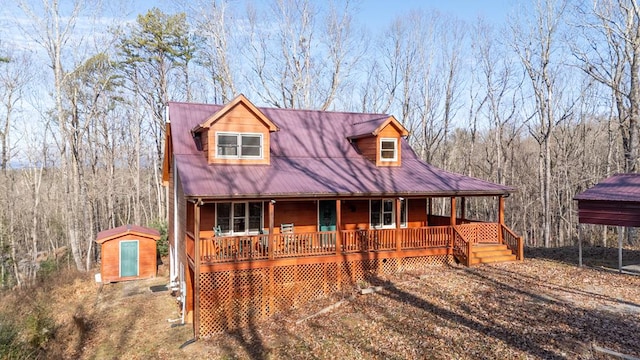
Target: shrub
(162, 245)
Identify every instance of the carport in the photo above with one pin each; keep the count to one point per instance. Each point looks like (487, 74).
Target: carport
(615, 201)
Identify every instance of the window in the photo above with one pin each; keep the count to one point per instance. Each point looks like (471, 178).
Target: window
(239, 217)
(383, 215)
(239, 145)
(388, 149)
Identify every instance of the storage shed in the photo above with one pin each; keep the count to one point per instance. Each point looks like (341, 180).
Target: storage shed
(128, 252)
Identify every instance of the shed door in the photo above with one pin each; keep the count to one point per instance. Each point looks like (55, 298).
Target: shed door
(129, 258)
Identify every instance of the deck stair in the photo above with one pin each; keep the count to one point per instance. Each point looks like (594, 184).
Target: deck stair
(490, 253)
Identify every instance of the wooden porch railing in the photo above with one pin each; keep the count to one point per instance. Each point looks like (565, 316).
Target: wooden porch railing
(459, 238)
(514, 242)
(425, 237)
(461, 246)
(368, 240)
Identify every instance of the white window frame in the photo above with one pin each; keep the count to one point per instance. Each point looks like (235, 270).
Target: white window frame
(239, 145)
(395, 149)
(403, 219)
(247, 230)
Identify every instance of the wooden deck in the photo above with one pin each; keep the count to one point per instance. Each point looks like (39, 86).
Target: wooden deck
(319, 247)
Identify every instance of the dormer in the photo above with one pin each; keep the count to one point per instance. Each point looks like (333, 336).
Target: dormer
(239, 133)
(379, 140)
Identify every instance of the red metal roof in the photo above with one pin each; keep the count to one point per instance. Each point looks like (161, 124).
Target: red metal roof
(310, 156)
(613, 201)
(125, 230)
(619, 187)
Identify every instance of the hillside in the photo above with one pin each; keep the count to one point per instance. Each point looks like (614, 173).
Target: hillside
(542, 308)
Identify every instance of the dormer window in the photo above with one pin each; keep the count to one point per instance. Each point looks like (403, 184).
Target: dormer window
(388, 149)
(238, 145)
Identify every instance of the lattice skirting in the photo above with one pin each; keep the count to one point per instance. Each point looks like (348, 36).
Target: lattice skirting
(240, 298)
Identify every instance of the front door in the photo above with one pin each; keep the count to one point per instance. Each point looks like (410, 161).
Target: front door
(129, 258)
(327, 215)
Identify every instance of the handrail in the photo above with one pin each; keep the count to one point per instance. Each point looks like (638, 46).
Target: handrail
(514, 242)
(461, 246)
(459, 238)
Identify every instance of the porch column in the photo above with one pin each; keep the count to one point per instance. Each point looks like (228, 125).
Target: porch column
(500, 218)
(272, 204)
(452, 218)
(579, 244)
(429, 210)
(501, 210)
(620, 235)
(196, 271)
(463, 207)
(398, 221)
(338, 227)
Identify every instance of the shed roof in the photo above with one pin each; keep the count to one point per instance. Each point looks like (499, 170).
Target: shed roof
(127, 230)
(619, 187)
(312, 156)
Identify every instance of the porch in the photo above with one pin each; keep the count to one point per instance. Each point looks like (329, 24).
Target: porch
(464, 241)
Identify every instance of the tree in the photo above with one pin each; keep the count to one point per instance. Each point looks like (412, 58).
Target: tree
(609, 52)
(535, 45)
(154, 51)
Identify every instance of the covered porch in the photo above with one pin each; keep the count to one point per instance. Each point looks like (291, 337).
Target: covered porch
(320, 231)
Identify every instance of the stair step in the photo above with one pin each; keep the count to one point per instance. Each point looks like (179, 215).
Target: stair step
(490, 253)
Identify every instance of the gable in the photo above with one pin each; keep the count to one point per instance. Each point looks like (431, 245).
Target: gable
(237, 121)
(389, 133)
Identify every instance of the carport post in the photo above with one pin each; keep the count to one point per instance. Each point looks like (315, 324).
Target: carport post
(620, 248)
(579, 245)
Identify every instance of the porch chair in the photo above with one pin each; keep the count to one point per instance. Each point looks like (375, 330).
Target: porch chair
(288, 239)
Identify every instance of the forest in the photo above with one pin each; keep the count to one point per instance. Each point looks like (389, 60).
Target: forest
(546, 101)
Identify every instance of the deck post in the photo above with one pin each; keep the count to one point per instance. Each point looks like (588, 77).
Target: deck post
(500, 218)
(429, 210)
(398, 221)
(338, 226)
(272, 204)
(196, 271)
(463, 207)
(452, 218)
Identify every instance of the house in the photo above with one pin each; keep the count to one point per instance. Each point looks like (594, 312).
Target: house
(271, 208)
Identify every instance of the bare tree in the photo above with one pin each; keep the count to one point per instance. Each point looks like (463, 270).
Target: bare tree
(535, 45)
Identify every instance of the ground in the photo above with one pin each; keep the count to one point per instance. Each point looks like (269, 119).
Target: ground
(542, 308)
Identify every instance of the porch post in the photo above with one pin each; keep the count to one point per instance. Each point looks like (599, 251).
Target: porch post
(338, 226)
(452, 219)
(463, 207)
(500, 218)
(501, 210)
(196, 271)
(272, 204)
(398, 220)
(429, 210)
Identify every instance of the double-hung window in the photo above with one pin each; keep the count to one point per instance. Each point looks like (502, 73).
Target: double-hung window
(382, 213)
(239, 217)
(239, 145)
(388, 149)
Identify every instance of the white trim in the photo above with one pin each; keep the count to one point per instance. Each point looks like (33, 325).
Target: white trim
(395, 149)
(120, 256)
(393, 214)
(239, 136)
(246, 217)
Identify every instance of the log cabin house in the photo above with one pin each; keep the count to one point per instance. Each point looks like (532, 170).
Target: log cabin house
(271, 208)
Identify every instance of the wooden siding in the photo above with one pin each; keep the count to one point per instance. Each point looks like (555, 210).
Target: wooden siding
(355, 214)
(416, 213)
(239, 120)
(369, 146)
(110, 258)
(614, 213)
